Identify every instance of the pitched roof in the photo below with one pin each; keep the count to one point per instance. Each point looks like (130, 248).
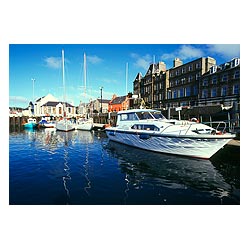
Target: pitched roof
(103, 100)
(53, 104)
(118, 100)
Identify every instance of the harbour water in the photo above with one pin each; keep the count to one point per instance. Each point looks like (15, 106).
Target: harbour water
(48, 167)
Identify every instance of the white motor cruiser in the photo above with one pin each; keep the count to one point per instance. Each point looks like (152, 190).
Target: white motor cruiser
(149, 129)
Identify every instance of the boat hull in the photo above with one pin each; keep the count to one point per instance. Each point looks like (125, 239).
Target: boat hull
(85, 126)
(191, 146)
(65, 126)
(30, 125)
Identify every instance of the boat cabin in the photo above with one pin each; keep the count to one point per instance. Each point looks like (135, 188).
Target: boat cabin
(134, 118)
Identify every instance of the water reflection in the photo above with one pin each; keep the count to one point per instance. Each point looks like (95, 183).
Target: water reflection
(82, 167)
(170, 171)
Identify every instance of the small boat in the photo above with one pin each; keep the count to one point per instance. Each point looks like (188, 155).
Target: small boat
(46, 124)
(148, 129)
(84, 124)
(31, 123)
(65, 125)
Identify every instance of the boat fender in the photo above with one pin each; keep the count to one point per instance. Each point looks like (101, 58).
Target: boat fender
(107, 126)
(218, 133)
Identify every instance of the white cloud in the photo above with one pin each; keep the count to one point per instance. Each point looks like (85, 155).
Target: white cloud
(20, 99)
(142, 61)
(184, 52)
(227, 51)
(94, 59)
(188, 52)
(53, 62)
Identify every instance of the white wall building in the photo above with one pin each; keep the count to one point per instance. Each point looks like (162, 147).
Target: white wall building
(50, 106)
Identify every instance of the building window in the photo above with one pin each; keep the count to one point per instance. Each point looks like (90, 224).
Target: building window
(190, 78)
(195, 90)
(183, 80)
(197, 76)
(224, 78)
(236, 74)
(181, 92)
(187, 91)
(174, 94)
(213, 69)
(204, 93)
(214, 80)
(235, 62)
(190, 67)
(183, 70)
(236, 89)
(169, 94)
(205, 82)
(224, 91)
(213, 92)
(197, 65)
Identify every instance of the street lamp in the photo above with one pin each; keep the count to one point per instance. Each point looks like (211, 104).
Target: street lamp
(33, 81)
(152, 90)
(101, 99)
(169, 97)
(33, 100)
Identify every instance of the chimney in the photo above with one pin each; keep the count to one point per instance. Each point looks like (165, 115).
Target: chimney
(177, 62)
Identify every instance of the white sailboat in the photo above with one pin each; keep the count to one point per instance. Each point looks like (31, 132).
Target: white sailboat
(64, 124)
(84, 123)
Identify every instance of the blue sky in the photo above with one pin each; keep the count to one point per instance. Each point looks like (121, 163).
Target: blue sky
(106, 67)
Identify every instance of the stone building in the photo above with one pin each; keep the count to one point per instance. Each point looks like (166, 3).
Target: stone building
(152, 87)
(221, 84)
(184, 79)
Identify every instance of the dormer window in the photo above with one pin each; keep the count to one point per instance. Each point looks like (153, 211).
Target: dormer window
(213, 69)
(235, 62)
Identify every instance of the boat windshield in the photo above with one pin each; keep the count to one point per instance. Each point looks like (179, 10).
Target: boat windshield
(158, 115)
(144, 115)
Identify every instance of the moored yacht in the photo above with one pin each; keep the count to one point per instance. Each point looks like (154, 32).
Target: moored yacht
(149, 129)
(84, 124)
(31, 123)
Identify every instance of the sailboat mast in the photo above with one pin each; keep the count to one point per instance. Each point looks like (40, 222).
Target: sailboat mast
(63, 80)
(63, 77)
(85, 74)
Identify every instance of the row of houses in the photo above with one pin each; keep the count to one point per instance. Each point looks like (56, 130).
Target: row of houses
(196, 83)
(50, 106)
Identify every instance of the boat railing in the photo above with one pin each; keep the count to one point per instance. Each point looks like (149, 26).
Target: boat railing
(217, 125)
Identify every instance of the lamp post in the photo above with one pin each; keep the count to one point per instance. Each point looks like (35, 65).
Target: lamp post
(101, 99)
(33, 99)
(33, 81)
(169, 97)
(152, 90)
